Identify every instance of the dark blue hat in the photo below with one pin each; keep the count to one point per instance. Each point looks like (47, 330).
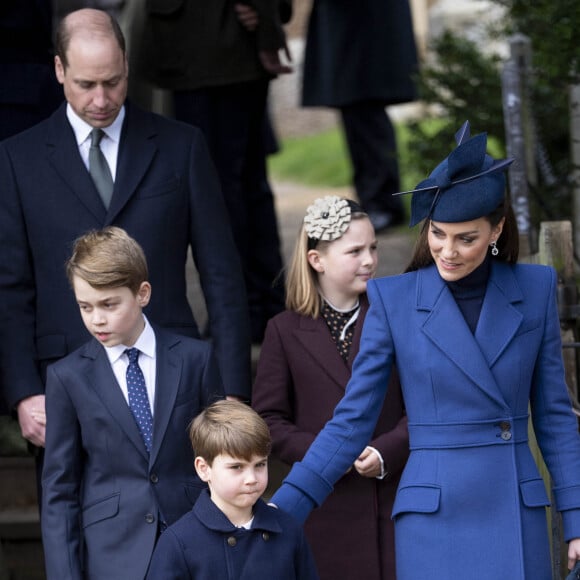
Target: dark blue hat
(467, 185)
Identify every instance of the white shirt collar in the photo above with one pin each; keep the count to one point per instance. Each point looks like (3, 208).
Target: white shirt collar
(145, 343)
(82, 129)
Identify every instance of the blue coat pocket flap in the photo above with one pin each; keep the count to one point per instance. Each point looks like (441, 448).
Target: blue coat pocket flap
(102, 510)
(534, 493)
(422, 499)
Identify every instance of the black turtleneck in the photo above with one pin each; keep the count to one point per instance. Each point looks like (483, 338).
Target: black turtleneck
(470, 291)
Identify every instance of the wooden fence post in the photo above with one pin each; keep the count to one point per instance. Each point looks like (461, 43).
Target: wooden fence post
(556, 249)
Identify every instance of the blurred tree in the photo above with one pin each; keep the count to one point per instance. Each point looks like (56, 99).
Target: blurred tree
(463, 82)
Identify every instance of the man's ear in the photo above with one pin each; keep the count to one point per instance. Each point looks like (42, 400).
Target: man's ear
(202, 468)
(59, 69)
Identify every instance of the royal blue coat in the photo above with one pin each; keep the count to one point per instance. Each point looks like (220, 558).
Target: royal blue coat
(471, 502)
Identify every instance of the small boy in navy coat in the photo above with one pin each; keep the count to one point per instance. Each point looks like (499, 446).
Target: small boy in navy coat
(119, 466)
(231, 533)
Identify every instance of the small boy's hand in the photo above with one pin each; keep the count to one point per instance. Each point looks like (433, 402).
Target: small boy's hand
(32, 419)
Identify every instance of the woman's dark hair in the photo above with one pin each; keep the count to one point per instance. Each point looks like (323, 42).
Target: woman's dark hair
(508, 243)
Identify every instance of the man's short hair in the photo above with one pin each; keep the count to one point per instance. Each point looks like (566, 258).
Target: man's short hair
(71, 24)
(231, 428)
(108, 258)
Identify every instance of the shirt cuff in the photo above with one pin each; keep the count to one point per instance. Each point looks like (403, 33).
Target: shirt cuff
(384, 470)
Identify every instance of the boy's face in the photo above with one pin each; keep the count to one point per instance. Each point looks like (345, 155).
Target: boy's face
(112, 315)
(235, 484)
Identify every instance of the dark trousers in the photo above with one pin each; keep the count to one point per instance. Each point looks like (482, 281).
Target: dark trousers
(232, 119)
(372, 147)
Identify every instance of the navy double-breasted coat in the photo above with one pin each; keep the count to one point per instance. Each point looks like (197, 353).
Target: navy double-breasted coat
(471, 502)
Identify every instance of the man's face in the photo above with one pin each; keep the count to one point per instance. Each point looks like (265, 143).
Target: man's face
(95, 81)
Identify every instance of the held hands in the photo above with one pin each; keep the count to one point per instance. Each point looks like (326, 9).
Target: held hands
(573, 552)
(272, 63)
(368, 463)
(32, 419)
(270, 59)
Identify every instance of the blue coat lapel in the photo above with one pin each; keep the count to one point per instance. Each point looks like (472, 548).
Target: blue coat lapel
(103, 381)
(63, 154)
(169, 369)
(473, 355)
(136, 151)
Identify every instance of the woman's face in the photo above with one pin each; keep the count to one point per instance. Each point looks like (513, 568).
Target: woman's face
(459, 248)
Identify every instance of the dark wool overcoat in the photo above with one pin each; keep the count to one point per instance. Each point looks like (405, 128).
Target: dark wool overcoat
(301, 378)
(357, 51)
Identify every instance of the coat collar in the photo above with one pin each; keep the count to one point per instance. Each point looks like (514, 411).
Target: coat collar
(136, 151)
(498, 323)
(314, 336)
(168, 375)
(213, 518)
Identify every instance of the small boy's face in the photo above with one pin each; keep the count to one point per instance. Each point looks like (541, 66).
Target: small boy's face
(112, 315)
(235, 484)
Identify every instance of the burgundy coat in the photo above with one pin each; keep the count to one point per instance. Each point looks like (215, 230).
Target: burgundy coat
(300, 379)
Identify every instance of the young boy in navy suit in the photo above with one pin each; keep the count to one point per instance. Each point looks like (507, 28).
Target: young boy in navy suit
(119, 466)
(231, 532)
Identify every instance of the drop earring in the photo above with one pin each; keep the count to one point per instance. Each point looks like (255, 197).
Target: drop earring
(494, 250)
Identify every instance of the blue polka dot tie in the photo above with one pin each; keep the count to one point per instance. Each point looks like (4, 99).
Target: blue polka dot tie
(138, 400)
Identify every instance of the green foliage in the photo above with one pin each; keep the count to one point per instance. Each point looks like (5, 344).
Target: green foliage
(463, 83)
(322, 159)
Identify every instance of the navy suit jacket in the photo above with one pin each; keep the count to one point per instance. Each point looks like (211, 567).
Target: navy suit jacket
(167, 196)
(104, 497)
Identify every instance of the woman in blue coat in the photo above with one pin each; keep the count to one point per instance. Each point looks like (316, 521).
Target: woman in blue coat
(476, 341)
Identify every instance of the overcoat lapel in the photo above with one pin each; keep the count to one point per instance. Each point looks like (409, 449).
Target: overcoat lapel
(136, 151)
(104, 383)
(63, 154)
(314, 337)
(473, 355)
(169, 369)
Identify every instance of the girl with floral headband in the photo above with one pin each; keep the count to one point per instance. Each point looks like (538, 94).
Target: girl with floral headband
(475, 337)
(305, 363)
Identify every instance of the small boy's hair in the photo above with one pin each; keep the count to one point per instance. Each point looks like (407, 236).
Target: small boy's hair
(108, 258)
(231, 428)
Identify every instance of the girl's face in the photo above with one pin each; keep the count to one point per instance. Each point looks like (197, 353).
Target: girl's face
(345, 265)
(459, 248)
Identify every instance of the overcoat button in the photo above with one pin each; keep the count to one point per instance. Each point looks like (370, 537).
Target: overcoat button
(149, 518)
(265, 536)
(154, 478)
(232, 541)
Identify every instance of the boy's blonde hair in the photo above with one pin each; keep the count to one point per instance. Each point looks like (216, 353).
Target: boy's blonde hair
(108, 258)
(231, 428)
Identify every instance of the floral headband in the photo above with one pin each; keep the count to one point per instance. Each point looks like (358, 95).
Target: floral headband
(327, 218)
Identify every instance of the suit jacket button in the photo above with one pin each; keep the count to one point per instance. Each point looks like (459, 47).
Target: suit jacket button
(149, 518)
(265, 536)
(153, 478)
(232, 541)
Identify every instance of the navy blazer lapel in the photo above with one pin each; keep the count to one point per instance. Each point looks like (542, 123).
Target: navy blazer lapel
(103, 381)
(136, 151)
(63, 154)
(168, 376)
(314, 336)
(447, 329)
(499, 319)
